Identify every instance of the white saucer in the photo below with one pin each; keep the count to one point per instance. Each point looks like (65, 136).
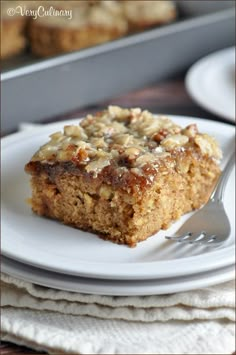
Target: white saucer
(48, 244)
(115, 288)
(211, 83)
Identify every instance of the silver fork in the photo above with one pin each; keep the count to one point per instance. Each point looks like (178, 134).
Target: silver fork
(209, 225)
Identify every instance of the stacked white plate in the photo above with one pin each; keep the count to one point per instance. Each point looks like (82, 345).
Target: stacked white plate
(48, 253)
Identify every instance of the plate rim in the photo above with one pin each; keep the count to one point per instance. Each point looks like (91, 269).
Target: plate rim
(145, 274)
(195, 94)
(117, 288)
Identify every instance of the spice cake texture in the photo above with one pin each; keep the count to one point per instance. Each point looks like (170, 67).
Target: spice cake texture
(123, 174)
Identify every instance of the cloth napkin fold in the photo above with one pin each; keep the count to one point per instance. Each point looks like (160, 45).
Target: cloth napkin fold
(194, 322)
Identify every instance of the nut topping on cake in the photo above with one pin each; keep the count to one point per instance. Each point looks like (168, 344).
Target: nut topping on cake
(123, 138)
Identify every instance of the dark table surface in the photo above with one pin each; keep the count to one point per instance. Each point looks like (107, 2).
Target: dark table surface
(168, 97)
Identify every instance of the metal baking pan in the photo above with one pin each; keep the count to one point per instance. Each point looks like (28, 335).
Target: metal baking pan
(35, 90)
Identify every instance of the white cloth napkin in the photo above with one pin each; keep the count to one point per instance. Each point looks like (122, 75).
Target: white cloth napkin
(194, 322)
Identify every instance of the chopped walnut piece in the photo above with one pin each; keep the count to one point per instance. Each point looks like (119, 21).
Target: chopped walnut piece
(75, 131)
(132, 152)
(174, 141)
(118, 113)
(81, 155)
(97, 165)
(158, 136)
(190, 131)
(64, 155)
(208, 146)
(56, 136)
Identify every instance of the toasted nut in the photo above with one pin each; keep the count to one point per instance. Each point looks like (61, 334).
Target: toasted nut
(97, 165)
(132, 152)
(160, 135)
(105, 192)
(81, 154)
(64, 155)
(75, 131)
(174, 141)
(183, 166)
(118, 112)
(143, 159)
(123, 139)
(190, 131)
(98, 142)
(208, 145)
(56, 136)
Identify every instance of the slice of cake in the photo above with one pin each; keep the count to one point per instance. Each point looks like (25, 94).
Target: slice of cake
(91, 23)
(123, 174)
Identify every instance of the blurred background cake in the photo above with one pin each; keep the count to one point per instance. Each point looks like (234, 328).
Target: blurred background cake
(91, 22)
(144, 14)
(13, 37)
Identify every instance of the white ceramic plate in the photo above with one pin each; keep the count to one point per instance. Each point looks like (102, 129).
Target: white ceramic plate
(50, 245)
(115, 288)
(211, 83)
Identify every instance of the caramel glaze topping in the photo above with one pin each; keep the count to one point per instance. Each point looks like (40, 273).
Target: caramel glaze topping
(122, 147)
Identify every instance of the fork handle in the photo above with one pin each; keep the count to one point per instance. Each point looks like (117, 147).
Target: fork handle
(218, 193)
